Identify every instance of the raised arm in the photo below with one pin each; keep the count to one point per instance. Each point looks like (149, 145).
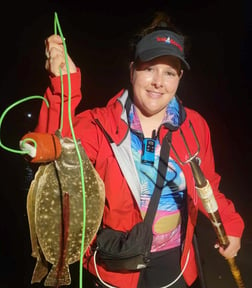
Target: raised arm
(50, 118)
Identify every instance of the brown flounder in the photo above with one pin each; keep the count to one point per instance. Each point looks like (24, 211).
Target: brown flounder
(55, 213)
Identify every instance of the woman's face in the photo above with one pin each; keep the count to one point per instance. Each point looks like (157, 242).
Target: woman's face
(155, 83)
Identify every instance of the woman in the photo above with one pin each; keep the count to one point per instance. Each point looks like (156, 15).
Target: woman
(114, 138)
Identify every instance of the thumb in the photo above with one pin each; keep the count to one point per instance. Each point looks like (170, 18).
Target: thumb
(216, 245)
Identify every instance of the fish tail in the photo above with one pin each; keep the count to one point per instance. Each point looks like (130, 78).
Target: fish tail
(53, 278)
(40, 270)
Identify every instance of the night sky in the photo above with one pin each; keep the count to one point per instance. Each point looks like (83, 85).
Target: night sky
(97, 34)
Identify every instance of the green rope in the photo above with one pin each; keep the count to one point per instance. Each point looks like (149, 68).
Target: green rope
(57, 25)
(7, 110)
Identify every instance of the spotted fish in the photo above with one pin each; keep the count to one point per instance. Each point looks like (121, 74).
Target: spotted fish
(55, 213)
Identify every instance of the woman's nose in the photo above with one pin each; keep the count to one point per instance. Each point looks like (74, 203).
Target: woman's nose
(157, 79)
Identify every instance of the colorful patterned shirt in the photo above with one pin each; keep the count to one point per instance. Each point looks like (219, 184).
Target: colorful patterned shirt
(168, 226)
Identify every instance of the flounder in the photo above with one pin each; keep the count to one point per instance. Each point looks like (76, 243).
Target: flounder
(55, 213)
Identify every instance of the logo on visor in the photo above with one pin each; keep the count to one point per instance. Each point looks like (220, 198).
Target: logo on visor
(169, 40)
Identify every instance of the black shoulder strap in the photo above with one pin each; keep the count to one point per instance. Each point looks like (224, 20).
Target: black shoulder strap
(162, 168)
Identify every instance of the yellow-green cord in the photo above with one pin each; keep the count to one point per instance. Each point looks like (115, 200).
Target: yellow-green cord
(7, 110)
(57, 25)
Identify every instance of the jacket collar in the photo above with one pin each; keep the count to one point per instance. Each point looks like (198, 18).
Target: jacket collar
(117, 128)
(113, 119)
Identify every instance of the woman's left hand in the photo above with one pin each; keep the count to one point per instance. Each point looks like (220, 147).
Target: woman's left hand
(232, 249)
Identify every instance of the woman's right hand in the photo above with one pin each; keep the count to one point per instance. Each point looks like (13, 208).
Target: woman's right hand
(55, 57)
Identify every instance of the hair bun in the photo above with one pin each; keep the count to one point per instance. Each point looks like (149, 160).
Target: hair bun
(162, 24)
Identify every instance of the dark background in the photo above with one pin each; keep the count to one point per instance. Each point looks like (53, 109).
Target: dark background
(97, 35)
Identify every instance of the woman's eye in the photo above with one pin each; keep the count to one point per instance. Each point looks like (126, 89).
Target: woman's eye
(171, 73)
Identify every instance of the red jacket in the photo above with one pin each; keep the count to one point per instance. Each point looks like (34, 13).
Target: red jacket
(104, 132)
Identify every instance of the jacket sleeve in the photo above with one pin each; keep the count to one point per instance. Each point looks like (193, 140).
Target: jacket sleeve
(49, 119)
(231, 219)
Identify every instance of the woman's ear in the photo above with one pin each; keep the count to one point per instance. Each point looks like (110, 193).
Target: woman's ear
(181, 74)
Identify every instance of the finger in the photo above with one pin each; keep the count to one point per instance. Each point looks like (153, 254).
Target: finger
(56, 65)
(231, 256)
(47, 65)
(52, 45)
(47, 54)
(53, 39)
(54, 51)
(228, 253)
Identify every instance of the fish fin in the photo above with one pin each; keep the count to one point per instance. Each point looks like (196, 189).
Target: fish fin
(40, 270)
(53, 278)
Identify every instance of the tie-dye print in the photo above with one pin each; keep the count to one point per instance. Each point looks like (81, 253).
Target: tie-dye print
(167, 226)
